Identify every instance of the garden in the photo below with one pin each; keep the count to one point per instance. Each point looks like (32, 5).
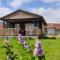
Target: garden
(51, 48)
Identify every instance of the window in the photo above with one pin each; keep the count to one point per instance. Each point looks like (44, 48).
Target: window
(17, 26)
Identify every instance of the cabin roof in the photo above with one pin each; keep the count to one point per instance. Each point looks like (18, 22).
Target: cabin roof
(21, 14)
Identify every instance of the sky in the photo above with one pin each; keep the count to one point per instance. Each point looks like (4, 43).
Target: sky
(49, 9)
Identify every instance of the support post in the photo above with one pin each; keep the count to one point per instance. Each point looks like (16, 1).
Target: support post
(3, 28)
(38, 28)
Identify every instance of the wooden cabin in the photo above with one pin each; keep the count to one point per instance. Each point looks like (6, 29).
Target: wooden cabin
(29, 23)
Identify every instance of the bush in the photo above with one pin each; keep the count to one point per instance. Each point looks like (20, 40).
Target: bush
(43, 37)
(52, 37)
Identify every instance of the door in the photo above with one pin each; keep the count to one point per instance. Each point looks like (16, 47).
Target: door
(29, 28)
(22, 28)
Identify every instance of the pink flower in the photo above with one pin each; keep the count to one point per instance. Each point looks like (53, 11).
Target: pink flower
(22, 41)
(38, 50)
(5, 40)
(20, 38)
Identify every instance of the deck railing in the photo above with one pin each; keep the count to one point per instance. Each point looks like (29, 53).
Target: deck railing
(15, 31)
(8, 31)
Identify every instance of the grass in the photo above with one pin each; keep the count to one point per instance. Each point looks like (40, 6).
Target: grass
(50, 47)
(2, 50)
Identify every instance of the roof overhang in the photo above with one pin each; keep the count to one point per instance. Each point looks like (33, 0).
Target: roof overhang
(21, 15)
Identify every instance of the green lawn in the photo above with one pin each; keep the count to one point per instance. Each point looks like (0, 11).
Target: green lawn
(2, 50)
(50, 47)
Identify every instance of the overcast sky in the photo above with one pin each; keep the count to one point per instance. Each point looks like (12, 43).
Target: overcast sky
(50, 9)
